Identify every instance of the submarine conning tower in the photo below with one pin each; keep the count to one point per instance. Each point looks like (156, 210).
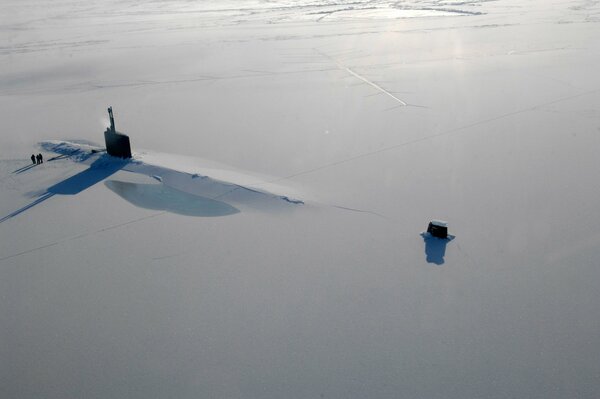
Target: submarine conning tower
(117, 143)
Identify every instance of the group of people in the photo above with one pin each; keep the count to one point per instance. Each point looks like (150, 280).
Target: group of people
(37, 159)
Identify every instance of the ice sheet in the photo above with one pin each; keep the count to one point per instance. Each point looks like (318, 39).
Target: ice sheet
(127, 288)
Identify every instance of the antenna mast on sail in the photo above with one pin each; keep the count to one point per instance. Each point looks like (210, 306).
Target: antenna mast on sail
(112, 120)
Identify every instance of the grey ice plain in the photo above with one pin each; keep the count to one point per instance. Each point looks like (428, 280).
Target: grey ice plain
(379, 115)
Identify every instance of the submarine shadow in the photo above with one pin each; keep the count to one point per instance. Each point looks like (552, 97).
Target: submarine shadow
(99, 170)
(163, 198)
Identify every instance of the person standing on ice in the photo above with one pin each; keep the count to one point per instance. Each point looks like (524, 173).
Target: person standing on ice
(33, 158)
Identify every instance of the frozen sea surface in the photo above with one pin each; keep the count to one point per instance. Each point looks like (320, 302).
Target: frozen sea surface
(385, 115)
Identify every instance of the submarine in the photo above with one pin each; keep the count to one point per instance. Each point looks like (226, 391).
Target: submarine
(117, 143)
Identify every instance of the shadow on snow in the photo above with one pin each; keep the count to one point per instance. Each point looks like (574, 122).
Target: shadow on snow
(99, 170)
(24, 168)
(163, 198)
(435, 248)
(149, 196)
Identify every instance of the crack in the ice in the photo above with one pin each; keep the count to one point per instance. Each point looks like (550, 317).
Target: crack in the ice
(83, 235)
(430, 137)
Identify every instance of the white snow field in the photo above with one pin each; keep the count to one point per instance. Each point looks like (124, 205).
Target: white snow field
(265, 241)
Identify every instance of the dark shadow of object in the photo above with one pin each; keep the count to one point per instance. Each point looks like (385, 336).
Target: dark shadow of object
(24, 168)
(39, 200)
(162, 198)
(98, 171)
(102, 168)
(435, 248)
(56, 158)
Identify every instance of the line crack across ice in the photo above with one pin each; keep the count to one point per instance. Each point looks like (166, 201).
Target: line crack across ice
(82, 235)
(362, 78)
(429, 137)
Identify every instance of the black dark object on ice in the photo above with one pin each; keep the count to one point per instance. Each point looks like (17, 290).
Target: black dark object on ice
(438, 228)
(117, 143)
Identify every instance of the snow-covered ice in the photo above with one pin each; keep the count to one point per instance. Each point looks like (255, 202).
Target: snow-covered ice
(190, 175)
(193, 271)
